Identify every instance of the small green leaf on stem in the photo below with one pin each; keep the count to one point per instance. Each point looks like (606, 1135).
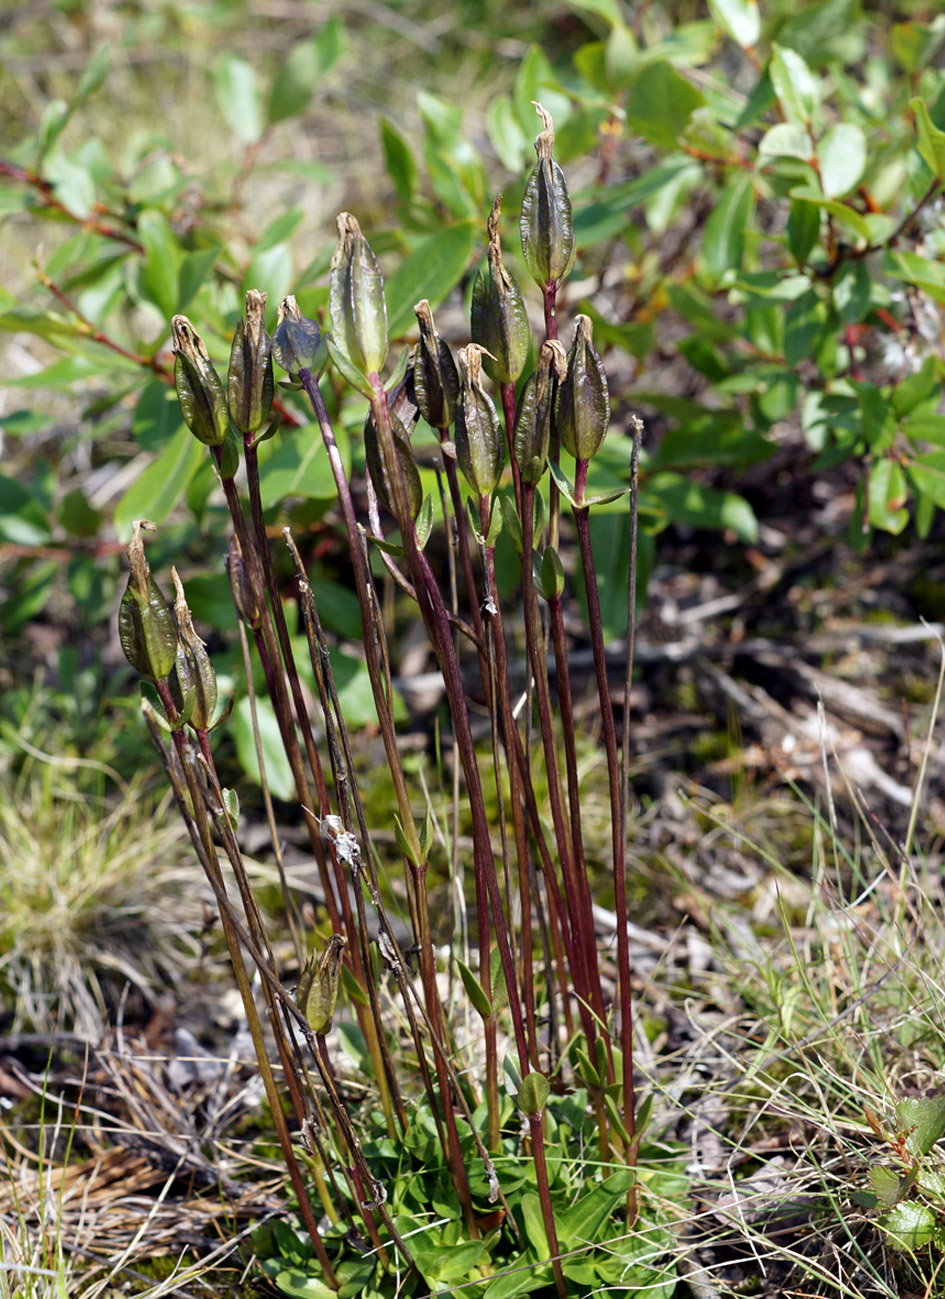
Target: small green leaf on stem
(552, 574)
(533, 1094)
(474, 991)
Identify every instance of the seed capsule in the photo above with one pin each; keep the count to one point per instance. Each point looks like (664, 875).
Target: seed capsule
(582, 404)
(356, 299)
(499, 320)
(297, 339)
(435, 379)
(378, 470)
(240, 585)
(199, 390)
(145, 625)
(194, 669)
(480, 446)
(531, 437)
(249, 383)
(317, 993)
(547, 225)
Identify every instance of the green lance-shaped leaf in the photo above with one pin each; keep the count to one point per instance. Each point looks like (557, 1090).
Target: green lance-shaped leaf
(297, 341)
(380, 475)
(249, 382)
(582, 404)
(475, 991)
(317, 993)
(356, 300)
(533, 1094)
(552, 574)
(145, 624)
(499, 320)
(195, 672)
(480, 446)
(547, 225)
(531, 436)
(435, 377)
(199, 390)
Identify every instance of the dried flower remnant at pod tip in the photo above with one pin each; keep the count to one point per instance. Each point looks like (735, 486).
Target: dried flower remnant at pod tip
(582, 404)
(249, 383)
(480, 444)
(435, 378)
(145, 623)
(194, 670)
(297, 339)
(531, 437)
(356, 300)
(199, 389)
(499, 319)
(547, 225)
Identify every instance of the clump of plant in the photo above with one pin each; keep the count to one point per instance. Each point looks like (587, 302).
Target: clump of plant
(84, 901)
(469, 1128)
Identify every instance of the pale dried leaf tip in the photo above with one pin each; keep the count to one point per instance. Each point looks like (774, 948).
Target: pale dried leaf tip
(545, 143)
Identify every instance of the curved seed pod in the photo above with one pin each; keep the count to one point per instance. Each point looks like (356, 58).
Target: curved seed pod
(317, 993)
(249, 381)
(480, 445)
(145, 625)
(194, 669)
(378, 470)
(435, 378)
(199, 390)
(297, 339)
(240, 585)
(531, 436)
(582, 404)
(547, 225)
(499, 320)
(356, 299)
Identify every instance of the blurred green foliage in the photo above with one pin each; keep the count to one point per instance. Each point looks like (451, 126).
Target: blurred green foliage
(759, 245)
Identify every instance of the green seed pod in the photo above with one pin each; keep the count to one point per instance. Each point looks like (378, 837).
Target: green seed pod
(499, 320)
(194, 669)
(531, 437)
(317, 993)
(145, 625)
(435, 379)
(249, 382)
(240, 585)
(480, 445)
(547, 225)
(378, 470)
(582, 403)
(199, 390)
(297, 339)
(356, 299)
